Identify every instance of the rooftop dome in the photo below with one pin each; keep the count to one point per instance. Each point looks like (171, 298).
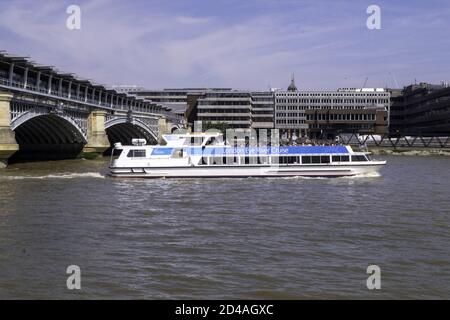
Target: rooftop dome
(292, 86)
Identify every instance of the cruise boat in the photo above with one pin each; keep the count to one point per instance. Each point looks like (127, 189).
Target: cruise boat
(207, 155)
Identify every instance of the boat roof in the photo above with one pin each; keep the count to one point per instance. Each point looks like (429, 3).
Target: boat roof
(193, 134)
(179, 139)
(224, 151)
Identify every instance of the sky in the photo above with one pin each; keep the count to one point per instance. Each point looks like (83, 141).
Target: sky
(246, 44)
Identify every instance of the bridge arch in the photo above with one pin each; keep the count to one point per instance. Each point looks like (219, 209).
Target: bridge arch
(123, 129)
(47, 136)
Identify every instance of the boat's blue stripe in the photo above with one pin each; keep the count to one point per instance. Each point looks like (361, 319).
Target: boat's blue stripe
(221, 151)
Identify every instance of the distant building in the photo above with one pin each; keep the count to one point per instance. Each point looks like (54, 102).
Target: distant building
(263, 105)
(329, 113)
(421, 110)
(232, 107)
(174, 99)
(239, 109)
(295, 113)
(289, 113)
(127, 88)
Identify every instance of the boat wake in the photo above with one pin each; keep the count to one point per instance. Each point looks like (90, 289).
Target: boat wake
(365, 175)
(357, 176)
(56, 176)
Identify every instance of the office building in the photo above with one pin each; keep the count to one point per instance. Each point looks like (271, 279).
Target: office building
(421, 110)
(329, 113)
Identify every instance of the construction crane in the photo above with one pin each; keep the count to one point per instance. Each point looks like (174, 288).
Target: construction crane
(365, 82)
(394, 79)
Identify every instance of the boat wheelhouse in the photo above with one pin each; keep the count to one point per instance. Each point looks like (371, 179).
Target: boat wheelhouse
(207, 155)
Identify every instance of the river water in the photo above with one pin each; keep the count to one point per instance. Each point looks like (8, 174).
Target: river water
(274, 238)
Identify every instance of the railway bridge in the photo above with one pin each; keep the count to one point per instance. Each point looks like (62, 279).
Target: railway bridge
(47, 114)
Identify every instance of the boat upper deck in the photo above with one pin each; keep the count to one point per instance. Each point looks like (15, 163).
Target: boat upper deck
(228, 150)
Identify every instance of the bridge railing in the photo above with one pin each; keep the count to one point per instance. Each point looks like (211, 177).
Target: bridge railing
(396, 142)
(14, 84)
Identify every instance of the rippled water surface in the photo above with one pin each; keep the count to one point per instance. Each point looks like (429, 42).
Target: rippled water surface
(288, 238)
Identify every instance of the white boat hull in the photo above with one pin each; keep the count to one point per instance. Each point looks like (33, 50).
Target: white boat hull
(330, 170)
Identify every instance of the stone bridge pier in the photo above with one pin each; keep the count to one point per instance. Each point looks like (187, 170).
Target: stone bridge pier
(8, 144)
(97, 139)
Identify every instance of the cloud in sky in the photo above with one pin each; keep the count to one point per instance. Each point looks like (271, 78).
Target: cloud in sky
(241, 44)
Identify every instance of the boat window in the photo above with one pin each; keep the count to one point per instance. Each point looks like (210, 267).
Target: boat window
(324, 159)
(263, 160)
(196, 141)
(231, 160)
(359, 158)
(315, 159)
(136, 154)
(340, 159)
(116, 153)
(204, 160)
(289, 160)
(218, 160)
(177, 153)
(306, 159)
